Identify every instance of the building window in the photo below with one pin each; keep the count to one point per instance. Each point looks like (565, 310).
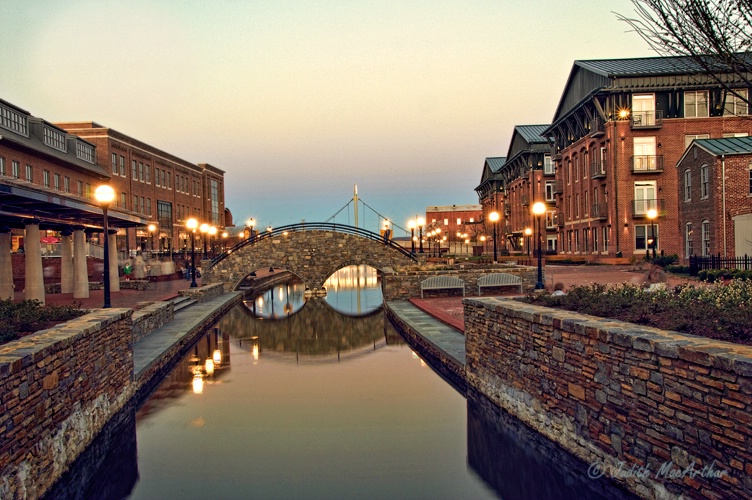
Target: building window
(688, 185)
(704, 182)
(643, 110)
(122, 166)
(446, 222)
(13, 120)
(736, 105)
(644, 197)
(54, 139)
(164, 214)
(2, 166)
(140, 172)
(46, 178)
(550, 188)
(66, 184)
(147, 173)
(644, 154)
(595, 240)
(705, 238)
(156, 176)
(57, 182)
(135, 203)
(169, 180)
(548, 165)
(644, 236)
(605, 239)
(16, 169)
(114, 164)
(134, 170)
(689, 248)
(29, 173)
(124, 201)
(80, 189)
(148, 206)
(85, 151)
(691, 137)
(87, 191)
(550, 218)
(696, 104)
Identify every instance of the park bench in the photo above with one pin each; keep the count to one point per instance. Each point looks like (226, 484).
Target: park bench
(499, 280)
(442, 283)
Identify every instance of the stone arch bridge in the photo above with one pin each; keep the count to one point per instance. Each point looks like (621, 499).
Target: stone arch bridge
(312, 251)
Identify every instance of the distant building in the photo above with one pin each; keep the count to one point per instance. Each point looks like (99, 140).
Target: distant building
(619, 130)
(454, 221)
(715, 197)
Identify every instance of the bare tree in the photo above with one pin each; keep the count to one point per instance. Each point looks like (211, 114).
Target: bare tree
(715, 34)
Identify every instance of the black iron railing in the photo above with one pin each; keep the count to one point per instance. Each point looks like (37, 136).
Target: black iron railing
(314, 226)
(697, 264)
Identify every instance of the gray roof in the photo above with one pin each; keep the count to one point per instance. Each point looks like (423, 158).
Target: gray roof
(726, 146)
(532, 133)
(679, 65)
(495, 163)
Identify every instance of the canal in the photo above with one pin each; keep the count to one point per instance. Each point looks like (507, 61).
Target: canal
(321, 398)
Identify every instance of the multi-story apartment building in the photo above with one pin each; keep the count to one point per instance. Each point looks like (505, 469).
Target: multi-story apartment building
(715, 197)
(618, 132)
(524, 177)
(457, 224)
(155, 185)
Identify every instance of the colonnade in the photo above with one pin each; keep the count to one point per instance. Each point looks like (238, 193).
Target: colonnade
(74, 275)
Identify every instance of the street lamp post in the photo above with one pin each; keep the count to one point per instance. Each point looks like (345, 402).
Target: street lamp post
(251, 234)
(104, 194)
(225, 234)
(539, 208)
(212, 234)
(528, 233)
(191, 224)
(652, 214)
(204, 228)
(152, 228)
(411, 225)
(494, 218)
(421, 222)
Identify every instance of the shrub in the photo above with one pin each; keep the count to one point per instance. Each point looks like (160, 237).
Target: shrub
(665, 260)
(721, 312)
(677, 269)
(31, 315)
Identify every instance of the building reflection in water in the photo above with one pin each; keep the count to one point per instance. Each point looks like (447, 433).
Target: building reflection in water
(280, 301)
(519, 463)
(354, 290)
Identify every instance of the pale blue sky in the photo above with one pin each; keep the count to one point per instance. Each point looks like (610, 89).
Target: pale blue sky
(299, 100)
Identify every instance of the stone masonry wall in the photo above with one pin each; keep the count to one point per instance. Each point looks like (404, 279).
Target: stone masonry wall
(403, 285)
(58, 388)
(203, 293)
(663, 412)
(150, 317)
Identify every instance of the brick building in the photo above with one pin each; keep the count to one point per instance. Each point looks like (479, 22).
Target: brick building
(620, 128)
(454, 221)
(155, 185)
(715, 197)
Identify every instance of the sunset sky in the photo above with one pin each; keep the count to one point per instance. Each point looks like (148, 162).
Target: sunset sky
(297, 101)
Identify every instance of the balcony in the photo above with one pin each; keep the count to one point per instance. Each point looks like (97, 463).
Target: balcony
(646, 164)
(559, 187)
(599, 211)
(647, 119)
(598, 169)
(640, 207)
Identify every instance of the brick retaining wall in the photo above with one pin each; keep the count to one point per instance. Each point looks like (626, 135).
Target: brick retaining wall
(59, 388)
(613, 392)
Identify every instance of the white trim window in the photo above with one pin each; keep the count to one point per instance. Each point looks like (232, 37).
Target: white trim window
(688, 138)
(550, 188)
(736, 103)
(29, 173)
(696, 104)
(643, 110)
(46, 178)
(644, 234)
(688, 185)
(705, 238)
(704, 182)
(548, 165)
(689, 247)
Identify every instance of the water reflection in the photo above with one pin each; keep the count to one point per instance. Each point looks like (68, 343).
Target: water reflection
(519, 463)
(317, 331)
(354, 290)
(280, 301)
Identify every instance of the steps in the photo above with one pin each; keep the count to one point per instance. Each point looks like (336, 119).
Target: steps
(180, 303)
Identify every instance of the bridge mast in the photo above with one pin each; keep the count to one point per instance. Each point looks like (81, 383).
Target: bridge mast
(355, 198)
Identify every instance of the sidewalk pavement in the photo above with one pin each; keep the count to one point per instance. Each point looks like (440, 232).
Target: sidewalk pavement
(156, 292)
(450, 311)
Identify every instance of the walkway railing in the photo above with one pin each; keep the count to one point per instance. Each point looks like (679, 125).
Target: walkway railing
(697, 264)
(315, 226)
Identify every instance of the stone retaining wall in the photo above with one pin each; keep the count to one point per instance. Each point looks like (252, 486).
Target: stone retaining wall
(203, 293)
(403, 285)
(663, 412)
(59, 388)
(151, 316)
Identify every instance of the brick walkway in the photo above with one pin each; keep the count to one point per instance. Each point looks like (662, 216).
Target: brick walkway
(449, 310)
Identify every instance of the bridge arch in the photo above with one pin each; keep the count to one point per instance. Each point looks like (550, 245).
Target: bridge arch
(312, 251)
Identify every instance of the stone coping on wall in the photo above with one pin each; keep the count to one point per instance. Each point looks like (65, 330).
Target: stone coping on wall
(203, 293)
(704, 351)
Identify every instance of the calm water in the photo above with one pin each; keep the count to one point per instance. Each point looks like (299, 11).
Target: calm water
(318, 405)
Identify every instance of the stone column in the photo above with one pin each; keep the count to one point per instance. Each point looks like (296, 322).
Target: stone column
(112, 251)
(34, 277)
(6, 265)
(66, 262)
(80, 270)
